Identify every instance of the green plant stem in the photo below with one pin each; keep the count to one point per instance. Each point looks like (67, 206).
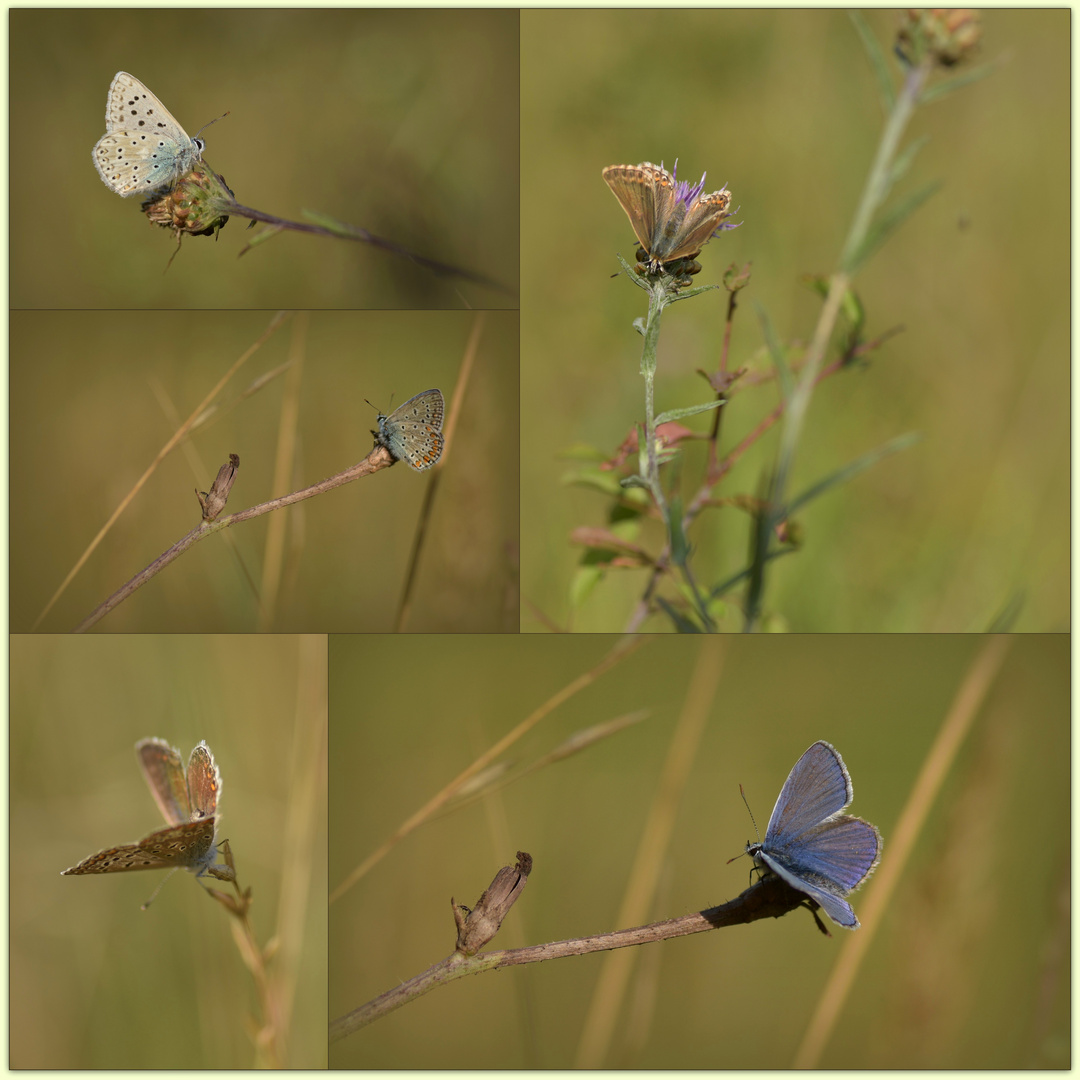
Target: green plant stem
(659, 297)
(657, 303)
(878, 182)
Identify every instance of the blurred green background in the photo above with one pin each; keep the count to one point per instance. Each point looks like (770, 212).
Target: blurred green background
(783, 106)
(95, 982)
(969, 968)
(96, 395)
(402, 122)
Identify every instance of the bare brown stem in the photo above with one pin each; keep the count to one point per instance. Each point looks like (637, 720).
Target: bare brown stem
(770, 898)
(379, 458)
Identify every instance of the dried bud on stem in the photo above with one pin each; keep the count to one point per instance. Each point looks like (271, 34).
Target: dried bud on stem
(478, 926)
(214, 500)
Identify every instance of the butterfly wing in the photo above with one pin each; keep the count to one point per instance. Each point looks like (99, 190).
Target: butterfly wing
(646, 193)
(810, 844)
(203, 782)
(130, 106)
(702, 218)
(844, 849)
(144, 147)
(164, 771)
(817, 787)
(135, 162)
(830, 860)
(413, 431)
(190, 845)
(825, 892)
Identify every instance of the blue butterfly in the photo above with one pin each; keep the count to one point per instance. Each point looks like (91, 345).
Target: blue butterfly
(810, 843)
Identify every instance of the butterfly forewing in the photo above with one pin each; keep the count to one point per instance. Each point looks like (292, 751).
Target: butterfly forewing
(636, 197)
(699, 224)
(131, 106)
(164, 771)
(816, 787)
(187, 845)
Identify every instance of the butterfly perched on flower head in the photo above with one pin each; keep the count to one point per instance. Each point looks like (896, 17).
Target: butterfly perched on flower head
(671, 218)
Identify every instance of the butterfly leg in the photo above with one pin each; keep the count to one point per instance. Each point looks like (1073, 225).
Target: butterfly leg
(159, 888)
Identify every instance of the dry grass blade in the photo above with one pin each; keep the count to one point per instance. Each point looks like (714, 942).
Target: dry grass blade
(300, 887)
(283, 466)
(464, 376)
(623, 648)
(176, 437)
(275, 967)
(611, 987)
(939, 761)
(495, 778)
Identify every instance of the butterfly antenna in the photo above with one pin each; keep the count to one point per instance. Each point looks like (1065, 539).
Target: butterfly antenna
(160, 887)
(751, 813)
(205, 126)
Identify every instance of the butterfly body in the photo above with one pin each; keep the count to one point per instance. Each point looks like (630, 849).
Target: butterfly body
(812, 845)
(671, 219)
(413, 431)
(144, 148)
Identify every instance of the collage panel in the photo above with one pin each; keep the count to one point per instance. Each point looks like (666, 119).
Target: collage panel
(293, 266)
(104, 779)
(560, 793)
(374, 152)
(297, 399)
(856, 216)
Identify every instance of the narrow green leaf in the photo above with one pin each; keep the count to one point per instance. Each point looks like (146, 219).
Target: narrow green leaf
(888, 223)
(681, 622)
(678, 414)
(592, 478)
(776, 351)
(679, 547)
(904, 160)
(878, 61)
(958, 82)
(737, 579)
(585, 579)
(1005, 619)
(759, 556)
(860, 464)
(688, 294)
(264, 234)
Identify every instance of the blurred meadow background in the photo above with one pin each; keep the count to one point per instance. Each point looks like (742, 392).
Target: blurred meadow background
(92, 406)
(95, 982)
(968, 967)
(402, 122)
(783, 107)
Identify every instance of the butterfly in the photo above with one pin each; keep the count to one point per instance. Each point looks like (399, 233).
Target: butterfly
(671, 218)
(144, 148)
(188, 802)
(413, 431)
(810, 843)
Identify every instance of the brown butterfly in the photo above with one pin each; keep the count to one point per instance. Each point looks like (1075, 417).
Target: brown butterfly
(671, 218)
(189, 804)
